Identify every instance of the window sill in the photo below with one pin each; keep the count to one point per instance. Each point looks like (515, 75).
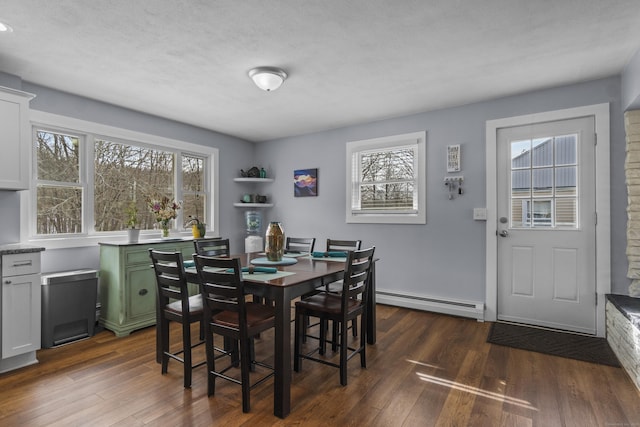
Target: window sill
(386, 219)
(71, 242)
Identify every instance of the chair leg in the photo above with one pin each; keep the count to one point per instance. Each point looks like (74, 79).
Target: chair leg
(334, 337)
(252, 354)
(354, 327)
(211, 365)
(306, 326)
(186, 352)
(323, 336)
(245, 362)
(363, 342)
(344, 351)
(158, 340)
(164, 344)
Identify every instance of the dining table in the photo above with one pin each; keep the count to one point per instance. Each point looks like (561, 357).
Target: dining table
(291, 281)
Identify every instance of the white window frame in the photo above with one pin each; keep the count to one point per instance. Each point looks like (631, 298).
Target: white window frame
(91, 131)
(354, 148)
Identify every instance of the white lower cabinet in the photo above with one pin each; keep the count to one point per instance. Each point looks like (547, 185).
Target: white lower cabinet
(21, 310)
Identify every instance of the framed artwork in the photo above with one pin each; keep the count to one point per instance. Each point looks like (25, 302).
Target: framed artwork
(305, 182)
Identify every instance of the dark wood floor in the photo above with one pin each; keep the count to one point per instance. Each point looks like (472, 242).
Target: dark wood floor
(426, 370)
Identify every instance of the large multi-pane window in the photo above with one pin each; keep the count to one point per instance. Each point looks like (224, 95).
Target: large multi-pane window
(125, 176)
(88, 184)
(386, 179)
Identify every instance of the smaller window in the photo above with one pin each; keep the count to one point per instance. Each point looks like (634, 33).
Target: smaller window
(59, 187)
(194, 191)
(386, 180)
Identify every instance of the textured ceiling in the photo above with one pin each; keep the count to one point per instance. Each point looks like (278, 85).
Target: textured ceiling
(349, 61)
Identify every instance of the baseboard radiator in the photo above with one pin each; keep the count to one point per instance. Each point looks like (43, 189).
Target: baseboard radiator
(472, 309)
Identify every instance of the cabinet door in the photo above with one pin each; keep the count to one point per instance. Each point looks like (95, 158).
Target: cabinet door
(14, 140)
(141, 295)
(21, 297)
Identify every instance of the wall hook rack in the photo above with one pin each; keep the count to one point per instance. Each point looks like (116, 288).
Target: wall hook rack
(454, 183)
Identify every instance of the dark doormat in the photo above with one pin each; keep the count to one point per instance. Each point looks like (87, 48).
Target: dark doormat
(572, 346)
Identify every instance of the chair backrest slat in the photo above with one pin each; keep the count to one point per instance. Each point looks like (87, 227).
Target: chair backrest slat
(212, 247)
(343, 245)
(300, 244)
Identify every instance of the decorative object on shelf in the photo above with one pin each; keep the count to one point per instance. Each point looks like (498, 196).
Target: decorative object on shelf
(164, 210)
(254, 172)
(133, 233)
(305, 182)
(274, 237)
(263, 173)
(267, 78)
(261, 199)
(198, 228)
(248, 198)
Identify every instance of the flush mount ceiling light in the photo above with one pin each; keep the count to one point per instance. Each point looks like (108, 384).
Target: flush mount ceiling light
(267, 78)
(4, 28)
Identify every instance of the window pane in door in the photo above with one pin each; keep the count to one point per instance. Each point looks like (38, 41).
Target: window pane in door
(543, 182)
(521, 183)
(566, 212)
(566, 149)
(519, 212)
(542, 152)
(541, 215)
(521, 154)
(566, 181)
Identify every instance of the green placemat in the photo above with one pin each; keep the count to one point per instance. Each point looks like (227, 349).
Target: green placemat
(265, 277)
(265, 261)
(328, 259)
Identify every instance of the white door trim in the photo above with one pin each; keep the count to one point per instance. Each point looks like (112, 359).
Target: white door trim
(603, 188)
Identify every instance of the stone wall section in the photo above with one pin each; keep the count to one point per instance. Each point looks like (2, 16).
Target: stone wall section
(632, 173)
(624, 339)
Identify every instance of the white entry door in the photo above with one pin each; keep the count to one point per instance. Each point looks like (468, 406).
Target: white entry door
(546, 224)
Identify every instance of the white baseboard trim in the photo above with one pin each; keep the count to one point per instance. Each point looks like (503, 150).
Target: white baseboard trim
(472, 309)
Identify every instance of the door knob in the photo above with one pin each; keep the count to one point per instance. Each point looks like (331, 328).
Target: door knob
(504, 233)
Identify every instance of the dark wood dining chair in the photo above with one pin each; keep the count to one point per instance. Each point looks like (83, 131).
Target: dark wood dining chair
(215, 246)
(303, 245)
(340, 309)
(228, 314)
(335, 245)
(173, 303)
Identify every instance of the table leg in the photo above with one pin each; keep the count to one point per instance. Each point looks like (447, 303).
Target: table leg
(282, 380)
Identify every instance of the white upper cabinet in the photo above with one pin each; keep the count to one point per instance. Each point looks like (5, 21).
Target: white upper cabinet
(14, 139)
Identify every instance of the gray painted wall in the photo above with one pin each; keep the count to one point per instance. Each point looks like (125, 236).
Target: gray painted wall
(631, 84)
(445, 257)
